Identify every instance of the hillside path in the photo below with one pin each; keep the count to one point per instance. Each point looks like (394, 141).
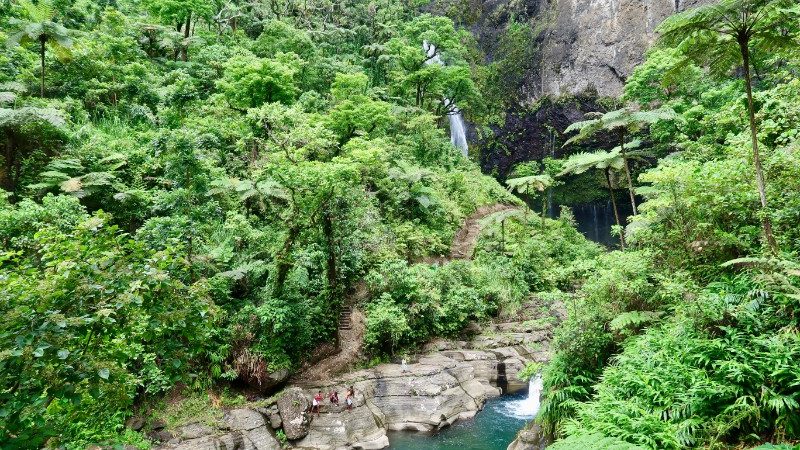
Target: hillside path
(352, 324)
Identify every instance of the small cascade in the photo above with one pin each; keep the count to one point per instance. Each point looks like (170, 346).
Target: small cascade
(458, 132)
(528, 407)
(596, 221)
(458, 129)
(551, 212)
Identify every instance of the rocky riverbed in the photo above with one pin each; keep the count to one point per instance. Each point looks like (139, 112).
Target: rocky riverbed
(448, 381)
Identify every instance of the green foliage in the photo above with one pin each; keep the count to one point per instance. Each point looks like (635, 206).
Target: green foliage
(39, 29)
(594, 441)
(690, 341)
(626, 120)
(85, 308)
(685, 384)
(529, 371)
(204, 186)
(249, 82)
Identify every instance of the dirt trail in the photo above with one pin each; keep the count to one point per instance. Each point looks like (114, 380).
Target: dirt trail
(352, 321)
(351, 337)
(466, 238)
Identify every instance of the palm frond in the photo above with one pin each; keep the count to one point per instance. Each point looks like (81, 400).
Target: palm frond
(14, 118)
(523, 184)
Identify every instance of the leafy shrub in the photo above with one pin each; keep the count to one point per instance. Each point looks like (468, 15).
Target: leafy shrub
(94, 314)
(702, 379)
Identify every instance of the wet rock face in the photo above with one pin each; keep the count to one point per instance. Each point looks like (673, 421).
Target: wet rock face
(583, 45)
(533, 133)
(595, 45)
(583, 48)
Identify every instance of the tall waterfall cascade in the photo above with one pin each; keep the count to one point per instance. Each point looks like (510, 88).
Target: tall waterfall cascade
(458, 129)
(528, 407)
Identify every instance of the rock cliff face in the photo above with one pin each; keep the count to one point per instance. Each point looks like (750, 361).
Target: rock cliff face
(596, 44)
(585, 49)
(583, 45)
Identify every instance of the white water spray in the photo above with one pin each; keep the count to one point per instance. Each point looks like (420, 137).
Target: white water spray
(458, 129)
(526, 408)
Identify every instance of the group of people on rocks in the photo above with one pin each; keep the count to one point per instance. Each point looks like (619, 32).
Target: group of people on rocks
(333, 397)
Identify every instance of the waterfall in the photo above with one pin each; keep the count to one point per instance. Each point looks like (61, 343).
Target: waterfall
(596, 223)
(528, 407)
(550, 209)
(458, 129)
(458, 134)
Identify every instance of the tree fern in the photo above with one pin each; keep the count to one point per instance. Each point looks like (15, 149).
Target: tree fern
(724, 35)
(622, 122)
(40, 29)
(633, 320)
(594, 441)
(16, 118)
(70, 176)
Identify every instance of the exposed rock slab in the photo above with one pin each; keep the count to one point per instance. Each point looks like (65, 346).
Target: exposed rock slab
(451, 380)
(246, 429)
(531, 438)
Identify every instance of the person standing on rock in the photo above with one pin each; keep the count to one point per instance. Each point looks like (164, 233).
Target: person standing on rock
(334, 398)
(316, 403)
(348, 398)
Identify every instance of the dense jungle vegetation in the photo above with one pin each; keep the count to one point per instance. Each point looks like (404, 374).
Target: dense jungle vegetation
(689, 338)
(192, 188)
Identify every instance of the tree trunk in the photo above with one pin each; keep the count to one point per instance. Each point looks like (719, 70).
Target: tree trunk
(283, 264)
(190, 258)
(330, 269)
(9, 164)
(627, 171)
(544, 208)
(186, 33)
(616, 211)
(762, 190)
(42, 42)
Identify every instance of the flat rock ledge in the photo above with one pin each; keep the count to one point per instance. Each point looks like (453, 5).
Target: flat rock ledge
(243, 429)
(451, 381)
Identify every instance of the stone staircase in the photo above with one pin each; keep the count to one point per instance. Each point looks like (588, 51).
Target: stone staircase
(346, 318)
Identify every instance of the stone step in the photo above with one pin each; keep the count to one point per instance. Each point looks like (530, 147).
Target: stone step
(345, 322)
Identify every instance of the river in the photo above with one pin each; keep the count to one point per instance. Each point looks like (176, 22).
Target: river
(491, 429)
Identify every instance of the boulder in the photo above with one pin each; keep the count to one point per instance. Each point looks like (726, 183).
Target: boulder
(293, 406)
(531, 438)
(255, 439)
(194, 431)
(274, 417)
(244, 429)
(337, 429)
(160, 435)
(135, 423)
(243, 419)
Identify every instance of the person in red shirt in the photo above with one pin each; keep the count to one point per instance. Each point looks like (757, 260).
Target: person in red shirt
(316, 403)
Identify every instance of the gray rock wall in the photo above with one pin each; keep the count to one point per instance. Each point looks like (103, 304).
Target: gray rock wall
(596, 44)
